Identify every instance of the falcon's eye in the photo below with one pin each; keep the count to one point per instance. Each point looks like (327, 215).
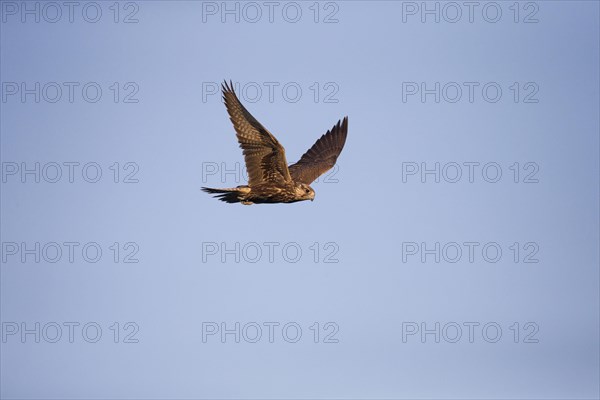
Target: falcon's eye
(307, 191)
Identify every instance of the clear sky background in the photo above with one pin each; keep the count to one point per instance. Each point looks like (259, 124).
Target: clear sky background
(171, 126)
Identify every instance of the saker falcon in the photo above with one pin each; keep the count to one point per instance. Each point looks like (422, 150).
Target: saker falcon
(270, 180)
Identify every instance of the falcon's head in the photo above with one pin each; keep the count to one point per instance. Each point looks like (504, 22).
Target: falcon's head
(304, 192)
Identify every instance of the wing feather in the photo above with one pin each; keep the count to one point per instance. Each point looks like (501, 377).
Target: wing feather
(321, 157)
(264, 156)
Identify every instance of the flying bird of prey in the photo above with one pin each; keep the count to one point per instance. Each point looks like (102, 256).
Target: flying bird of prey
(270, 180)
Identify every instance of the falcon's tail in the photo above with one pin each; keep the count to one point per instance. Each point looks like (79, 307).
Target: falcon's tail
(226, 195)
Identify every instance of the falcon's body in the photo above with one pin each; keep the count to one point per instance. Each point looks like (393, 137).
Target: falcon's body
(265, 193)
(270, 180)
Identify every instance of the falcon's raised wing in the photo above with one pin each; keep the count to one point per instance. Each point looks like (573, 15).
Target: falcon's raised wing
(264, 156)
(322, 155)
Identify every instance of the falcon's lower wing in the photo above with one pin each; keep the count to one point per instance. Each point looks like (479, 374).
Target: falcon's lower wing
(322, 155)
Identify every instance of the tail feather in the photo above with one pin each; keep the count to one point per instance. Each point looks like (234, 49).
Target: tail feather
(226, 195)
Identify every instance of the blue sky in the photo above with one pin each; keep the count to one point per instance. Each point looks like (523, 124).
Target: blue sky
(356, 269)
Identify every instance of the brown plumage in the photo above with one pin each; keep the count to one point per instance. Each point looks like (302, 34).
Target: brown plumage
(270, 180)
